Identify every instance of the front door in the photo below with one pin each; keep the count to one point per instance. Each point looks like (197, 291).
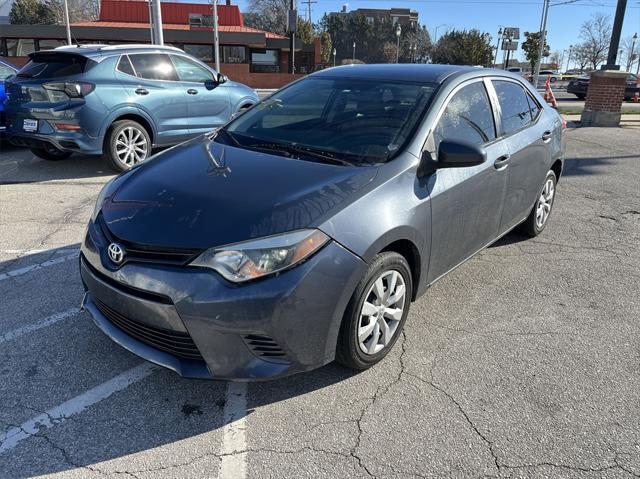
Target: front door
(466, 203)
(208, 102)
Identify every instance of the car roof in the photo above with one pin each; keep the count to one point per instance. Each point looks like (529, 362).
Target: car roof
(97, 51)
(429, 73)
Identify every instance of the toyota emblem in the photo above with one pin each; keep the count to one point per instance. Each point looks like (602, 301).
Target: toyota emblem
(116, 253)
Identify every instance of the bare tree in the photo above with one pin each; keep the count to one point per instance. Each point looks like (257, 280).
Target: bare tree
(268, 15)
(595, 34)
(555, 58)
(581, 55)
(390, 52)
(625, 60)
(79, 10)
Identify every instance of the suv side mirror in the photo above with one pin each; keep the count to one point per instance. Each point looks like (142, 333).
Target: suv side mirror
(453, 154)
(222, 78)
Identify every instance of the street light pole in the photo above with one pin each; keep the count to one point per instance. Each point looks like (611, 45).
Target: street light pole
(495, 60)
(633, 47)
(334, 57)
(615, 37)
(543, 40)
(216, 38)
(398, 33)
(156, 22)
(354, 51)
(569, 57)
(66, 21)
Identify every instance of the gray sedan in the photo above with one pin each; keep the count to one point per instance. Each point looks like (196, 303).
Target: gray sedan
(301, 231)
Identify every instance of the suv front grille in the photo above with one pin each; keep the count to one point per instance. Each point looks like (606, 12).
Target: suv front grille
(148, 254)
(176, 343)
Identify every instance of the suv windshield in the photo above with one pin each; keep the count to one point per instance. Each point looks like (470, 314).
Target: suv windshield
(334, 119)
(55, 65)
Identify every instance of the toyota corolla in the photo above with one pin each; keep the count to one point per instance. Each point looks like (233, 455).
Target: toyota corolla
(301, 231)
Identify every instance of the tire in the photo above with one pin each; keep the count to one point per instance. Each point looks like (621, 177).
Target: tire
(126, 144)
(349, 351)
(51, 153)
(532, 226)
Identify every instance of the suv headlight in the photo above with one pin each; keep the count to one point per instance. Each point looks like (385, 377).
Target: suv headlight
(254, 259)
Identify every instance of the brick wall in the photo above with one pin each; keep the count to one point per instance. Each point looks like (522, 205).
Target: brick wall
(605, 93)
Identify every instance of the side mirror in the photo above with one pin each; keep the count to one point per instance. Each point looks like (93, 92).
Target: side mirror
(222, 78)
(453, 154)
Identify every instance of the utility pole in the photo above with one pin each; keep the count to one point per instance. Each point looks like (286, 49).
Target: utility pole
(216, 36)
(495, 60)
(633, 47)
(308, 3)
(398, 33)
(334, 57)
(569, 57)
(156, 22)
(153, 38)
(615, 37)
(354, 51)
(543, 41)
(292, 21)
(66, 21)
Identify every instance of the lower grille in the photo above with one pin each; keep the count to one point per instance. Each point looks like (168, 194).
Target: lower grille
(265, 347)
(174, 342)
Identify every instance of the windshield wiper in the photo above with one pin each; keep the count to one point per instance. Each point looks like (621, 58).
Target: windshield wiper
(300, 150)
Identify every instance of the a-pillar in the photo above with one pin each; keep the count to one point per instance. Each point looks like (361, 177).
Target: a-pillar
(604, 98)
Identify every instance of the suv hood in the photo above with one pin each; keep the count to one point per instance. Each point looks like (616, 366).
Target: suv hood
(202, 194)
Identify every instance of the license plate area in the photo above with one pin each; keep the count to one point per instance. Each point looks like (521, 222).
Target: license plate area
(30, 125)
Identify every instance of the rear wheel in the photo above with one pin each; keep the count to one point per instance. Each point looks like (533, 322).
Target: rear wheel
(51, 153)
(127, 144)
(539, 216)
(376, 313)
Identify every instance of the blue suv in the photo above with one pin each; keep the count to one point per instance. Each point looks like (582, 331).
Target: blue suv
(120, 101)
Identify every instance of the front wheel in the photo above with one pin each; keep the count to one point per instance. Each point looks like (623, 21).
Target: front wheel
(539, 216)
(376, 313)
(127, 143)
(51, 153)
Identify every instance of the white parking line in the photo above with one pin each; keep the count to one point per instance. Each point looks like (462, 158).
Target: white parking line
(14, 435)
(234, 441)
(34, 267)
(29, 328)
(27, 252)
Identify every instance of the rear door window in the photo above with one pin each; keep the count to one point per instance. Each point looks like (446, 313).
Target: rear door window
(516, 111)
(56, 65)
(468, 117)
(153, 66)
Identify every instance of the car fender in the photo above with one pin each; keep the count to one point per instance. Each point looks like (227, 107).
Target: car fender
(127, 110)
(242, 101)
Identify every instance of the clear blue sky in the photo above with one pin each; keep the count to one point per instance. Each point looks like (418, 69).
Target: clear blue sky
(487, 15)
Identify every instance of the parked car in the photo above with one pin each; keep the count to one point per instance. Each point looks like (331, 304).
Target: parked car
(6, 70)
(517, 70)
(553, 76)
(301, 231)
(120, 101)
(579, 87)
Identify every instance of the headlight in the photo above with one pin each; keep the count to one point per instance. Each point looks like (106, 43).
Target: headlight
(257, 258)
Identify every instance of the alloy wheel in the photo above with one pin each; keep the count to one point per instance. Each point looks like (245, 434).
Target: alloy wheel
(381, 312)
(131, 146)
(545, 202)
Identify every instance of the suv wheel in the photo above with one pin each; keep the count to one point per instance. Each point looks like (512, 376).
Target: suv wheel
(376, 313)
(127, 144)
(51, 153)
(539, 216)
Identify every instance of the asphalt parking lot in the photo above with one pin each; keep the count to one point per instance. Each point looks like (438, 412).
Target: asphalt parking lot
(524, 362)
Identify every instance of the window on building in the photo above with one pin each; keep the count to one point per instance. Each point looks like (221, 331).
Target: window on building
(201, 52)
(155, 66)
(20, 47)
(265, 61)
(514, 106)
(190, 71)
(468, 117)
(234, 54)
(46, 44)
(370, 20)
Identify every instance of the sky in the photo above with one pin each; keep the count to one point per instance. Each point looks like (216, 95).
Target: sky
(563, 26)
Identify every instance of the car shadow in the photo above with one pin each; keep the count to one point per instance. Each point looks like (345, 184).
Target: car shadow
(595, 165)
(160, 410)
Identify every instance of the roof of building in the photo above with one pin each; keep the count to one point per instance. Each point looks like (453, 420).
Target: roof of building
(170, 26)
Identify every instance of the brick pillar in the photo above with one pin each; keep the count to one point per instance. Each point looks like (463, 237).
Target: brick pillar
(604, 98)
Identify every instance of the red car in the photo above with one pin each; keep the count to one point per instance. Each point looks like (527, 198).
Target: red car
(578, 86)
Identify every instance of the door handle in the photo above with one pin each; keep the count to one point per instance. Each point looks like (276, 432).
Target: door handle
(142, 91)
(502, 162)
(192, 91)
(546, 136)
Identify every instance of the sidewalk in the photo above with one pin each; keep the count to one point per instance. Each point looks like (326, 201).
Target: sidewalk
(627, 119)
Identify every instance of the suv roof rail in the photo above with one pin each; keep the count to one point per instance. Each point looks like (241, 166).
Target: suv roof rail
(139, 45)
(83, 45)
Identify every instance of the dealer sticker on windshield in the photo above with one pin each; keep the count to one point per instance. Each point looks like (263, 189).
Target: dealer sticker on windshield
(30, 125)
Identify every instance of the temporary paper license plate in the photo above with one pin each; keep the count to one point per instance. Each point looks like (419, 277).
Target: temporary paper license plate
(30, 125)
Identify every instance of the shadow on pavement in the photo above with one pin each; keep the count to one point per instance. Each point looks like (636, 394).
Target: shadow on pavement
(592, 165)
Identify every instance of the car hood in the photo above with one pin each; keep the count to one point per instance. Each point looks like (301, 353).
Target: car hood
(201, 194)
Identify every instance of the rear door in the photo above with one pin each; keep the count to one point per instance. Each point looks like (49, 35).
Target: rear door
(154, 87)
(527, 135)
(208, 102)
(466, 203)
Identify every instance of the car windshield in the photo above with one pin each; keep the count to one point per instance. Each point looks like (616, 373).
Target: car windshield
(339, 120)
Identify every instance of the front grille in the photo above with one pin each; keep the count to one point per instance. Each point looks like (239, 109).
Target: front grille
(173, 342)
(265, 347)
(148, 254)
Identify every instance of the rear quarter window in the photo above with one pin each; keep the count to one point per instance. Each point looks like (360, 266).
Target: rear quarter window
(45, 66)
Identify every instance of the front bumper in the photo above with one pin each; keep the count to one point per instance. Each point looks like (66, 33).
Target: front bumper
(235, 328)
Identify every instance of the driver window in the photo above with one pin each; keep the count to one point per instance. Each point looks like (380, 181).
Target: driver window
(190, 71)
(467, 118)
